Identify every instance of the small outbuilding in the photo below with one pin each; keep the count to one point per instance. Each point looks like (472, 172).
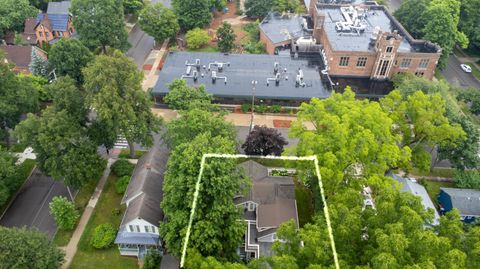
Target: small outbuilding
(467, 201)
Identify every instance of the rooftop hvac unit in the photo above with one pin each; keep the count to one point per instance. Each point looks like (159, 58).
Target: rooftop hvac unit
(215, 77)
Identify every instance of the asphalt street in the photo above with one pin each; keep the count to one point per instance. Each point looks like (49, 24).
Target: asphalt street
(456, 76)
(31, 206)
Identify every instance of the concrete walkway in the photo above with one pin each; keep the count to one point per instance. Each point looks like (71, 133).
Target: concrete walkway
(71, 248)
(152, 76)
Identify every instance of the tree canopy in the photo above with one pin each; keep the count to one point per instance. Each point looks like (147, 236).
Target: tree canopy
(64, 212)
(257, 8)
(13, 14)
(470, 21)
(183, 97)
(264, 141)
(8, 176)
(113, 89)
(100, 23)
(17, 96)
(192, 14)
(197, 38)
(158, 21)
(23, 248)
(132, 6)
(226, 37)
(60, 139)
(69, 57)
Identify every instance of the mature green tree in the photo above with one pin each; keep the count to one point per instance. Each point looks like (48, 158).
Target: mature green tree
(69, 57)
(8, 176)
(194, 122)
(23, 248)
(17, 96)
(472, 246)
(467, 179)
(59, 137)
(411, 15)
(114, 90)
(471, 97)
(349, 135)
(197, 38)
(152, 260)
(64, 213)
(132, 6)
(158, 21)
(192, 14)
(100, 24)
(264, 141)
(226, 37)
(469, 24)
(292, 6)
(258, 8)
(13, 14)
(421, 122)
(463, 154)
(183, 97)
(216, 230)
(39, 84)
(195, 260)
(39, 65)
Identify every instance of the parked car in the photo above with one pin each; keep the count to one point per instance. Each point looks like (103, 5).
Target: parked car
(466, 68)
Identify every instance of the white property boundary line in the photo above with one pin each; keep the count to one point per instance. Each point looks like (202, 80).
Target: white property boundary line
(242, 156)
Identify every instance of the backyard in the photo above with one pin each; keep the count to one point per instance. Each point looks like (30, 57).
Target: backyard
(108, 210)
(433, 188)
(304, 199)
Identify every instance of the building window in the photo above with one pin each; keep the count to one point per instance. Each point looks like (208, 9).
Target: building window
(47, 34)
(362, 61)
(389, 49)
(131, 228)
(60, 34)
(40, 34)
(138, 228)
(154, 229)
(405, 63)
(419, 74)
(383, 68)
(147, 228)
(344, 61)
(423, 63)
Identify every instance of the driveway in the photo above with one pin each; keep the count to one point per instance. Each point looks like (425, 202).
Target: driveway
(456, 76)
(30, 207)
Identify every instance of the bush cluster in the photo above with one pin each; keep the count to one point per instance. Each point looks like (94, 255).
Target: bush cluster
(261, 108)
(122, 184)
(122, 168)
(103, 236)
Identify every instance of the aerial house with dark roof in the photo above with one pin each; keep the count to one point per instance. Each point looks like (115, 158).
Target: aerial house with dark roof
(138, 231)
(282, 80)
(467, 201)
(55, 24)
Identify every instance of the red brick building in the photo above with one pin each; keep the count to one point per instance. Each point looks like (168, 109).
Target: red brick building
(367, 41)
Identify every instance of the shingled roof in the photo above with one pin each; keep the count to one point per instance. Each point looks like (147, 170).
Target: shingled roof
(466, 200)
(144, 192)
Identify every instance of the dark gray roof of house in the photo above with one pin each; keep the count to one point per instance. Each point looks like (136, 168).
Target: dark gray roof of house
(466, 200)
(275, 196)
(280, 28)
(169, 262)
(59, 7)
(21, 56)
(417, 190)
(243, 69)
(145, 187)
(125, 237)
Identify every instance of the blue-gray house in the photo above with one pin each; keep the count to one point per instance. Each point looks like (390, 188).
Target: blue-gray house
(467, 201)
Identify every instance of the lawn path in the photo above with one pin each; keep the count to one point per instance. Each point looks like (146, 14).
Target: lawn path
(71, 248)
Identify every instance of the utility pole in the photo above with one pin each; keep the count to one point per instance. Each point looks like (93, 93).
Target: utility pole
(254, 83)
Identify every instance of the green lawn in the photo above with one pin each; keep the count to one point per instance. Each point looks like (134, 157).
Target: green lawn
(88, 257)
(25, 170)
(125, 153)
(436, 172)
(81, 200)
(433, 188)
(475, 70)
(304, 198)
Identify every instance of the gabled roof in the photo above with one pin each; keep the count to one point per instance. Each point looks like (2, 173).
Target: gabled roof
(144, 192)
(21, 56)
(125, 237)
(417, 190)
(466, 200)
(275, 196)
(54, 22)
(29, 31)
(59, 7)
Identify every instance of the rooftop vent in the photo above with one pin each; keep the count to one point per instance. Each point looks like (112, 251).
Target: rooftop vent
(196, 64)
(215, 77)
(219, 65)
(299, 79)
(194, 74)
(276, 79)
(354, 20)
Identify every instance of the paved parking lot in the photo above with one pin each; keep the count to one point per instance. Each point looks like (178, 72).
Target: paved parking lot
(30, 207)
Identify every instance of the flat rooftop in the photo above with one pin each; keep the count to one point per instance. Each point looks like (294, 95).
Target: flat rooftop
(358, 41)
(280, 28)
(241, 71)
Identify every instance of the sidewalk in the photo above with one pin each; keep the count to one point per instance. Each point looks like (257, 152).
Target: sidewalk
(239, 119)
(154, 59)
(71, 248)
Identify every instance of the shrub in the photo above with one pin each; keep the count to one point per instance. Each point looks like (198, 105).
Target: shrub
(152, 259)
(122, 168)
(261, 108)
(122, 184)
(116, 212)
(246, 108)
(276, 109)
(103, 236)
(197, 38)
(255, 48)
(64, 213)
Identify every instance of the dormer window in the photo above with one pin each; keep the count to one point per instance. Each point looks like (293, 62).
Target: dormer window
(389, 49)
